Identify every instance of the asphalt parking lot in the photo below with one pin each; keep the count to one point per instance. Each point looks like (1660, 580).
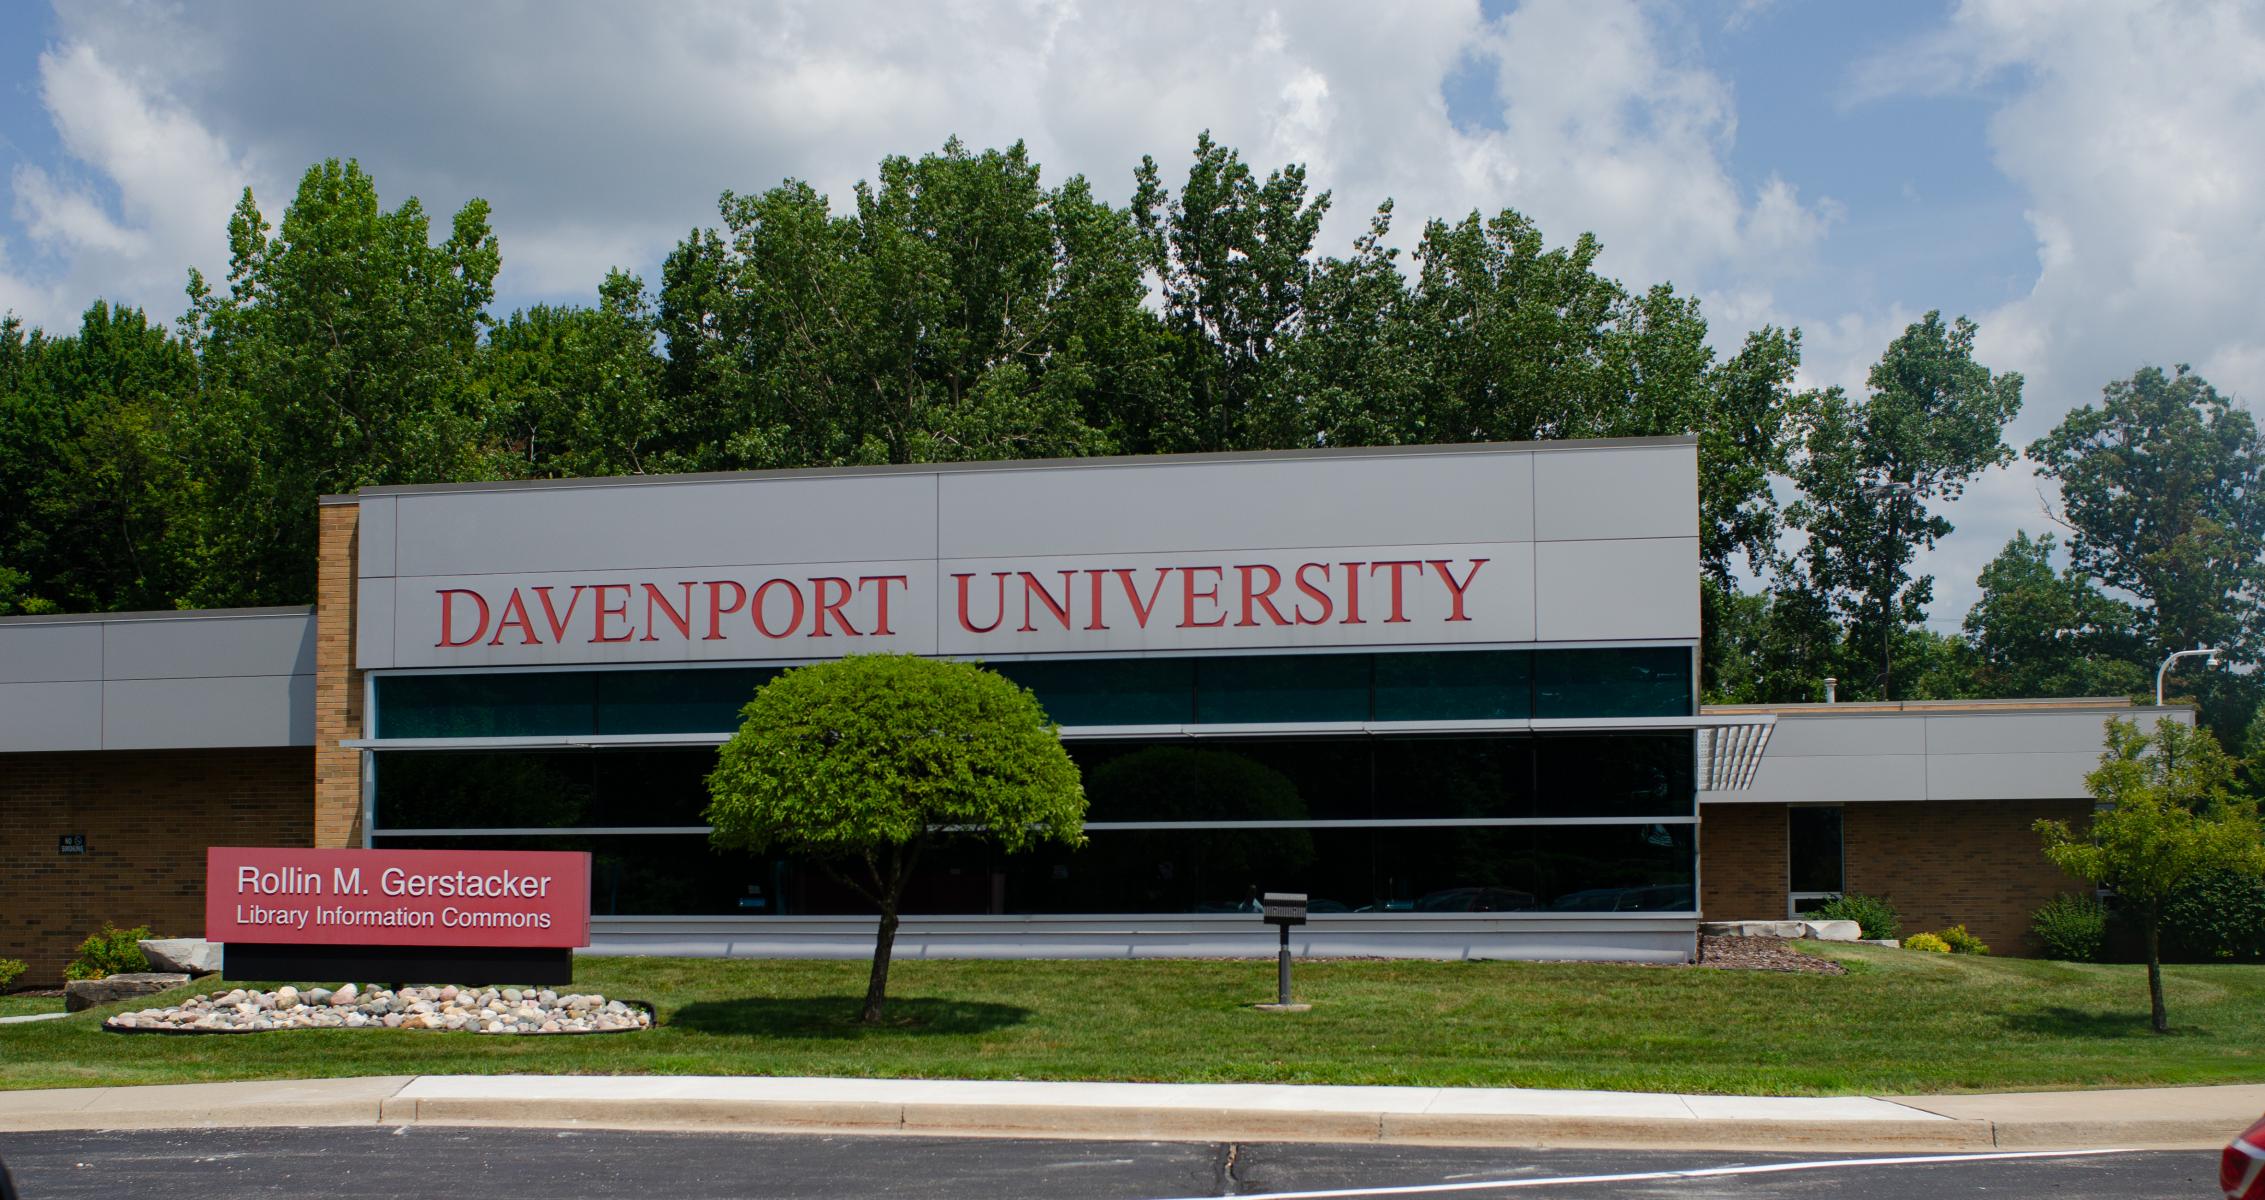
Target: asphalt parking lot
(558, 1165)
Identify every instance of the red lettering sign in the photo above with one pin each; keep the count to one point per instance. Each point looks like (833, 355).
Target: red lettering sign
(1054, 600)
(489, 898)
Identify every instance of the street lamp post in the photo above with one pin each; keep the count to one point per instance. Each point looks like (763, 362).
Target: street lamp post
(2211, 651)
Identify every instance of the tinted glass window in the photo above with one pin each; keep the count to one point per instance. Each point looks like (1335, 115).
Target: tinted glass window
(1638, 682)
(484, 791)
(1620, 775)
(1289, 780)
(1813, 835)
(1463, 685)
(528, 704)
(1125, 691)
(1454, 777)
(694, 701)
(1284, 687)
(1630, 868)
(516, 789)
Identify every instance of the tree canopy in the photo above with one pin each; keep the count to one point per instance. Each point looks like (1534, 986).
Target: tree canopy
(961, 305)
(2168, 817)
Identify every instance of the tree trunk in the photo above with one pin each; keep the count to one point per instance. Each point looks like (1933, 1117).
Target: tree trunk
(888, 892)
(877, 984)
(2161, 1019)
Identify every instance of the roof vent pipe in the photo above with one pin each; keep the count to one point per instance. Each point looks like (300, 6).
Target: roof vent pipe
(1832, 689)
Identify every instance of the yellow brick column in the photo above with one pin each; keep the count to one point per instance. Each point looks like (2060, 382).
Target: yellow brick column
(338, 686)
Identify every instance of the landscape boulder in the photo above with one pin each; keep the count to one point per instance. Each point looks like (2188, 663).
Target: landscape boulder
(82, 994)
(1823, 931)
(192, 956)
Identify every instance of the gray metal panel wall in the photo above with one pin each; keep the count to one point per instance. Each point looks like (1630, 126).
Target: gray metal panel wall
(1350, 501)
(51, 716)
(628, 527)
(148, 681)
(1615, 559)
(1822, 757)
(49, 652)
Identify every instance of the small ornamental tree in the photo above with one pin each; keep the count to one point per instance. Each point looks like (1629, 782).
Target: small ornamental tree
(2169, 818)
(863, 762)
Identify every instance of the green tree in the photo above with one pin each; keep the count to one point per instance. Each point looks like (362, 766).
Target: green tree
(344, 354)
(90, 485)
(1872, 473)
(2036, 631)
(2163, 484)
(576, 392)
(1234, 260)
(962, 311)
(2168, 819)
(863, 762)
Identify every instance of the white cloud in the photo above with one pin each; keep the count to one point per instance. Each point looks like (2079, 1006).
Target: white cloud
(154, 200)
(601, 134)
(2132, 130)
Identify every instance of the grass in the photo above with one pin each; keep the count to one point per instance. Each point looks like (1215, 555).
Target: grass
(20, 1006)
(1899, 1022)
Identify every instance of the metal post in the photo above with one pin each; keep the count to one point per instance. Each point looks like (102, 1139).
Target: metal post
(1282, 970)
(2160, 671)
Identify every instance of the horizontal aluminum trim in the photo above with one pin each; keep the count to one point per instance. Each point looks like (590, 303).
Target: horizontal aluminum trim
(1117, 732)
(576, 742)
(1051, 656)
(161, 614)
(1654, 922)
(1090, 826)
(552, 831)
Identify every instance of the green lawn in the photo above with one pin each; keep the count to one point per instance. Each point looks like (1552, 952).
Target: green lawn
(18, 1006)
(1901, 1021)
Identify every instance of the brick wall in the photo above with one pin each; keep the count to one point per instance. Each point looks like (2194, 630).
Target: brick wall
(148, 816)
(1947, 862)
(338, 686)
(1742, 862)
(1941, 863)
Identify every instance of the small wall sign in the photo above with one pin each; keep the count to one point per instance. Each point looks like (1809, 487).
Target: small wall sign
(70, 843)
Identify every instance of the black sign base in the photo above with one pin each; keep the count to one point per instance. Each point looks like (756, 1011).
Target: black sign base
(399, 964)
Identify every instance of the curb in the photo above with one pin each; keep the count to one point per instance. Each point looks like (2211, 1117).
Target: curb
(394, 1101)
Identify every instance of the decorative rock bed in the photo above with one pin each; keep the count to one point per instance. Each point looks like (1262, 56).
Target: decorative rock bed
(468, 1010)
(1762, 954)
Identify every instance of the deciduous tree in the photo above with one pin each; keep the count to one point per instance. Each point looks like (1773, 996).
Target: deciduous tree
(2163, 484)
(2168, 818)
(864, 762)
(1874, 473)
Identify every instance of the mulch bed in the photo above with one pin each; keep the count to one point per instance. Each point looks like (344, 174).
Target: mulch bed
(1762, 954)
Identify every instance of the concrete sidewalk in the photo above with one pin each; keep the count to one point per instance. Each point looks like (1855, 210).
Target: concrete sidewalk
(2167, 1118)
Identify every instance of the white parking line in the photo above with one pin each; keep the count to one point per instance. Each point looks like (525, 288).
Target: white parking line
(1824, 1164)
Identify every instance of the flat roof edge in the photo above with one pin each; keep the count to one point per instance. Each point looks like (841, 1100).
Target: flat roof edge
(1892, 708)
(162, 614)
(1107, 461)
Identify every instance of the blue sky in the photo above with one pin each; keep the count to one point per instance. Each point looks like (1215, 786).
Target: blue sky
(2082, 179)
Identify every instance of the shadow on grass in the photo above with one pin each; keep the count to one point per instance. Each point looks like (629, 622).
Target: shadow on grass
(836, 1017)
(2059, 1021)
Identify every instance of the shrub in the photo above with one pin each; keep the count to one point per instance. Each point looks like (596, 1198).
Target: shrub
(1927, 942)
(2220, 917)
(1877, 917)
(1962, 942)
(10, 970)
(109, 951)
(2073, 927)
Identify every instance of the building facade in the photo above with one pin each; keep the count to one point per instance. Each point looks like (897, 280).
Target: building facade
(1450, 692)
